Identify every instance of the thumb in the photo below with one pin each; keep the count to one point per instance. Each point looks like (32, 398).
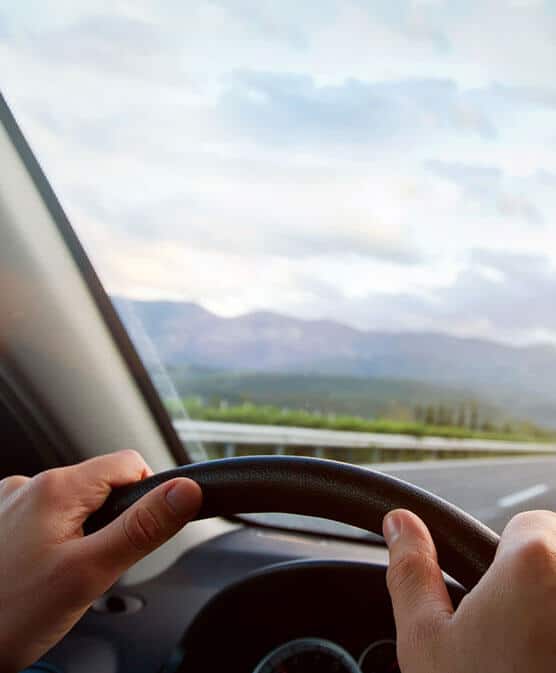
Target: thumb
(150, 522)
(419, 595)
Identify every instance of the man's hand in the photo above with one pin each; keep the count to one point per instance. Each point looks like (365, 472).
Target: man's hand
(49, 572)
(505, 625)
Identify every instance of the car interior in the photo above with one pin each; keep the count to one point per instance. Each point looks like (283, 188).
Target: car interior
(302, 254)
(226, 593)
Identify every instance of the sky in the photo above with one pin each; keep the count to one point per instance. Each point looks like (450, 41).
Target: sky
(388, 164)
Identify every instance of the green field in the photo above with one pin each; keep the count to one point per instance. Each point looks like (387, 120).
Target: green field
(348, 403)
(271, 415)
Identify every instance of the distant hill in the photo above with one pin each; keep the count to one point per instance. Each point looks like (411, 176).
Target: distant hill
(521, 380)
(365, 397)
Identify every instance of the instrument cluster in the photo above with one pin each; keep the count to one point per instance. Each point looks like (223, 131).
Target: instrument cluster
(317, 655)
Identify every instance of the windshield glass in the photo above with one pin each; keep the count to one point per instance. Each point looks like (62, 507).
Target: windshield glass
(328, 226)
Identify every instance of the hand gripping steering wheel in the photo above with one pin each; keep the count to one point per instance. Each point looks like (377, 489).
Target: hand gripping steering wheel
(332, 490)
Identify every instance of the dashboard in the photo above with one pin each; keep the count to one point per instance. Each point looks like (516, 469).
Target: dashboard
(300, 617)
(249, 601)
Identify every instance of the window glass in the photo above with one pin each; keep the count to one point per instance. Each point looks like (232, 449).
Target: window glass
(328, 227)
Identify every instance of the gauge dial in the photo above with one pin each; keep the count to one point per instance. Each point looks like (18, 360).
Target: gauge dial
(308, 655)
(380, 657)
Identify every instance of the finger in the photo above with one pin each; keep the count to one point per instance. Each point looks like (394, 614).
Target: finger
(114, 469)
(146, 525)
(74, 492)
(11, 484)
(92, 480)
(526, 554)
(528, 527)
(419, 595)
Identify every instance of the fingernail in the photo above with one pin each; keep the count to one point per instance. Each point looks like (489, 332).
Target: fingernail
(392, 528)
(181, 500)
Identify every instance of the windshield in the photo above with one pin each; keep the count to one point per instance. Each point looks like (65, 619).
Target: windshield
(328, 227)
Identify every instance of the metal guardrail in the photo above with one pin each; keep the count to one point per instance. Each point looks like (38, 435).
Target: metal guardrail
(280, 437)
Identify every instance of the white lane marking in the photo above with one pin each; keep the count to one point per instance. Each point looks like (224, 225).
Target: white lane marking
(520, 496)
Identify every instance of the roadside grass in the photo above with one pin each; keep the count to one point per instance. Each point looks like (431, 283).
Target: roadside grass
(271, 415)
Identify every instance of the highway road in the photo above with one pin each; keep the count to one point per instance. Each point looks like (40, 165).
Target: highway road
(493, 490)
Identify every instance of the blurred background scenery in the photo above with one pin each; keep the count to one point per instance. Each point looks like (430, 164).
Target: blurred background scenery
(336, 216)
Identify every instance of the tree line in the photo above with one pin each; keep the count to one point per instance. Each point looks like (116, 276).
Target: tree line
(466, 415)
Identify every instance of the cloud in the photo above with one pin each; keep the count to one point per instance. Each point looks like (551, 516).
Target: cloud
(525, 95)
(4, 27)
(283, 22)
(509, 205)
(546, 178)
(491, 188)
(107, 42)
(419, 21)
(476, 179)
(127, 44)
(331, 158)
(517, 297)
(282, 107)
(498, 295)
(303, 231)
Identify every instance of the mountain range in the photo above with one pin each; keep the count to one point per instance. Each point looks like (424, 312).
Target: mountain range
(520, 379)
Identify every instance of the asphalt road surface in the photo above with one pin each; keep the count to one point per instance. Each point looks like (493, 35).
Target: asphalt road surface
(492, 490)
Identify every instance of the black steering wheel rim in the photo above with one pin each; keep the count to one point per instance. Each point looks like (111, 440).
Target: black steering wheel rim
(333, 490)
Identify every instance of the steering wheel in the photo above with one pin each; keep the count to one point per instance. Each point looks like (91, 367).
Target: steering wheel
(324, 488)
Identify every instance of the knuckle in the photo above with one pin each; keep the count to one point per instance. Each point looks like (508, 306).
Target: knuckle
(523, 520)
(406, 573)
(142, 528)
(12, 483)
(521, 517)
(536, 557)
(47, 485)
(132, 455)
(134, 460)
(533, 520)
